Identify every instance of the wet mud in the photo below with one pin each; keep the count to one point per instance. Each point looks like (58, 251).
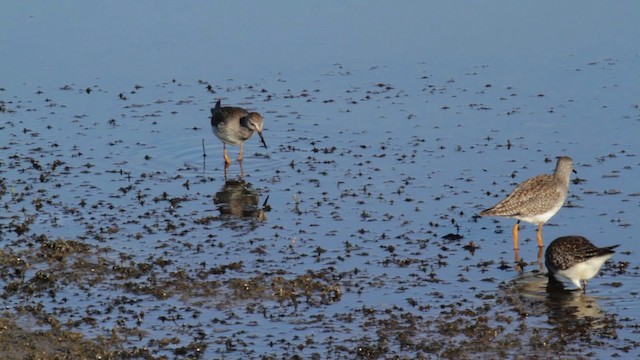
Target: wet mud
(355, 236)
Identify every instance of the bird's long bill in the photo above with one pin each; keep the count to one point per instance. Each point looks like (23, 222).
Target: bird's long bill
(262, 138)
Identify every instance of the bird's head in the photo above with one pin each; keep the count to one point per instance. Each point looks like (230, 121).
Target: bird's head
(255, 122)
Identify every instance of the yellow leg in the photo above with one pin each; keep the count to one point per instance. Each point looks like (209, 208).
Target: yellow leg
(240, 155)
(515, 235)
(540, 243)
(226, 170)
(224, 152)
(540, 258)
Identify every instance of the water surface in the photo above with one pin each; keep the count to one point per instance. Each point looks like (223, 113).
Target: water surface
(384, 144)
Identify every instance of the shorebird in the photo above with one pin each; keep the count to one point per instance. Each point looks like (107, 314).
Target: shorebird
(576, 258)
(234, 126)
(536, 199)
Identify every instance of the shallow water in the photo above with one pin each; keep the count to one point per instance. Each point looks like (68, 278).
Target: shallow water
(368, 244)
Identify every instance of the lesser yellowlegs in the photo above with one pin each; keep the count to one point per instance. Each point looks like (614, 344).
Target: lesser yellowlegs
(576, 258)
(234, 126)
(535, 200)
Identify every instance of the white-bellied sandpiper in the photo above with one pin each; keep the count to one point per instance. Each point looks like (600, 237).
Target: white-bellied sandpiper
(234, 126)
(535, 200)
(576, 258)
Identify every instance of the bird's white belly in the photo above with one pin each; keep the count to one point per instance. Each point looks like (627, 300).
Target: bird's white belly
(226, 139)
(539, 218)
(584, 270)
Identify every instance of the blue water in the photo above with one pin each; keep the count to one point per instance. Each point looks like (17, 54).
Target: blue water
(387, 125)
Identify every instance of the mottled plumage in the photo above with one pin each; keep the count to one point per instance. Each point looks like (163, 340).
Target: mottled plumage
(576, 258)
(234, 126)
(537, 199)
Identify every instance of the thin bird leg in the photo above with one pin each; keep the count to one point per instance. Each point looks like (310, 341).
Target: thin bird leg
(584, 287)
(540, 258)
(539, 236)
(224, 152)
(226, 170)
(240, 155)
(515, 235)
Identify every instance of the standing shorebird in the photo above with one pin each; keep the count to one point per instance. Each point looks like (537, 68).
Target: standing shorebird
(535, 200)
(234, 126)
(576, 258)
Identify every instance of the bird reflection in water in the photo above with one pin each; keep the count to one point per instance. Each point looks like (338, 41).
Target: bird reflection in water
(238, 198)
(571, 313)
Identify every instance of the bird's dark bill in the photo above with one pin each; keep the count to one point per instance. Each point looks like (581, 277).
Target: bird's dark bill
(262, 138)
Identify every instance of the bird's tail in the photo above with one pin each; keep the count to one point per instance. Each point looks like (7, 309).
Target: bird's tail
(213, 110)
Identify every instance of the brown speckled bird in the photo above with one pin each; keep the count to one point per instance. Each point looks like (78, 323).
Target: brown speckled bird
(576, 258)
(536, 200)
(234, 126)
